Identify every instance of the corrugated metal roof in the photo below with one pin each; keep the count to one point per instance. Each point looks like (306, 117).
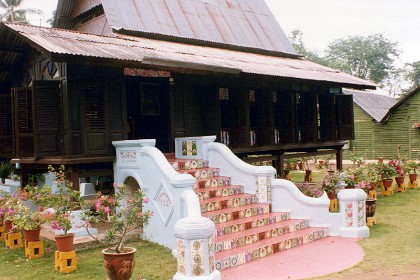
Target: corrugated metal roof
(144, 51)
(376, 105)
(244, 23)
(401, 101)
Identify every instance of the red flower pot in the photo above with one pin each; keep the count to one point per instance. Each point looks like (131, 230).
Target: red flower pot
(119, 266)
(8, 226)
(331, 195)
(64, 242)
(413, 177)
(387, 183)
(32, 235)
(400, 180)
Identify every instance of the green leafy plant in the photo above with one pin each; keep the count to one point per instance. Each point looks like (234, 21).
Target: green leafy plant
(330, 182)
(63, 202)
(6, 169)
(30, 208)
(387, 171)
(124, 213)
(411, 166)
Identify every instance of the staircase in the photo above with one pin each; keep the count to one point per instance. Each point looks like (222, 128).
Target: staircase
(245, 229)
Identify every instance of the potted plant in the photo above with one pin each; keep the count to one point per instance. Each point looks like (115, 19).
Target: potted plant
(373, 176)
(387, 172)
(291, 163)
(125, 213)
(399, 176)
(330, 183)
(30, 211)
(411, 167)
(6, 168)
(306, 167)
(63, 203)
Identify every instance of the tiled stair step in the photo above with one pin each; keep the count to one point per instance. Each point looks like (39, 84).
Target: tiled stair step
(202, 173)
(258, 234)
(218, 192)
(252, 222)
(227, 202)
(266, 247)
(231, 214)
(184, 164)
(212, 182)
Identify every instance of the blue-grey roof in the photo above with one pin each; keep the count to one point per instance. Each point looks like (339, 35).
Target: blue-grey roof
(376, 105)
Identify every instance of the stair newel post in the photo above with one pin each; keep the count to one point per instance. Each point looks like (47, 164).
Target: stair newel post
(353, 213)
(195, 249)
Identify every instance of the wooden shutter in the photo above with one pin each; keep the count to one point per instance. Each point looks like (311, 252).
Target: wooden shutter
(23, 122)
(265, 129)
(327, 117)
(94, 116)
(240, 118)
(285, 114)
(345, 116)
(48, 118)
(6, 132)
(308, 122)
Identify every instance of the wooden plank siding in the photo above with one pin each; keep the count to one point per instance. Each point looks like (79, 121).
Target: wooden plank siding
(385, 138)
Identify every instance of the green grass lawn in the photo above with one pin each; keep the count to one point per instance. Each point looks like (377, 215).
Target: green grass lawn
(153, 262)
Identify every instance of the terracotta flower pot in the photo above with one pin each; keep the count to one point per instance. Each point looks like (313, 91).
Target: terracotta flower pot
(413, 177)
(331, 195)
(32, 235)
(308, 174)
(119, 266)
(387, 183)
(64, 242)
(399, 180)
(370, 207)
(8, 226)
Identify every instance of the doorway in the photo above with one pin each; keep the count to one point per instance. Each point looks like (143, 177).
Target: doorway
(148, 110)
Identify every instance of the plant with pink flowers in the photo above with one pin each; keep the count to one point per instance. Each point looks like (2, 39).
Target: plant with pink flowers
(398, 167)
(123, 211)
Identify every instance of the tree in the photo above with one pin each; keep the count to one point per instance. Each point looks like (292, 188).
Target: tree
(14, 11)
(413, 75)
(370, 57)
(296, 38)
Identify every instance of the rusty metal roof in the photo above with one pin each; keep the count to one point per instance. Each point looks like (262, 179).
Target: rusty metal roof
(128, 50)
(376, 105)
(243, 23)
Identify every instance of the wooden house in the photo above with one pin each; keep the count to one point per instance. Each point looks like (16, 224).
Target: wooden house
(384, 126)
(115, 70)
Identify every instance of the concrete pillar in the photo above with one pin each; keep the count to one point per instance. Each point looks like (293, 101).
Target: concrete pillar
(195, 249)
(353, 213)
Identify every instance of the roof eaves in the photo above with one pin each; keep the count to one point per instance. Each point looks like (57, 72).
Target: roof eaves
(204, 43)
(399, 103)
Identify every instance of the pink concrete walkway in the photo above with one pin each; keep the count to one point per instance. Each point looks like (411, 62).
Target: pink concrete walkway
(322, 257)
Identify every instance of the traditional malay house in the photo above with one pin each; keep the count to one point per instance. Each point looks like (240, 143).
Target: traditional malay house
(117, 70)
(385, 126)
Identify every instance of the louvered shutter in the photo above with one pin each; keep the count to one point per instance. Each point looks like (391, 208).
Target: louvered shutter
(48, 118)
(23, 122)
(308, 118)
(327, 117)
(345, 116)
(94, 116)
(6, 132)
(285, 117)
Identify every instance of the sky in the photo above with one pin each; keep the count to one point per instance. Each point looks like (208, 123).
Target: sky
(323, 21)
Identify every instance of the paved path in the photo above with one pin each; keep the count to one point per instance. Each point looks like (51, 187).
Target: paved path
(322, 257)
